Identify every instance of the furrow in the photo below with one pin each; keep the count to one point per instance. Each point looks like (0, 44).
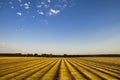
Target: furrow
(64, 74)
(75, 74)
(98, 72)
(109, 68)
(52, 72)
(32, 71)
(39, 74)
(89, 75)
(21, 67)
(8, 76)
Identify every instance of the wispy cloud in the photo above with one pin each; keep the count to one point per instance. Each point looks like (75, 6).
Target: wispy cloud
(39, 6)
(20, 29)
(12, 7)
(10, 2)
(40, 12)
(44, 21)
(33, 16)
(46, 6)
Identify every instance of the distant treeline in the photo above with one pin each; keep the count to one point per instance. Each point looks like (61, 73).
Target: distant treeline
(53, 55)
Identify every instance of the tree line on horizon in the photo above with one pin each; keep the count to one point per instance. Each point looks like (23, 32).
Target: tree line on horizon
(53, 55)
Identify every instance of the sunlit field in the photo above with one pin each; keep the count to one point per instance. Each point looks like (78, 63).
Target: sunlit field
(40, 68)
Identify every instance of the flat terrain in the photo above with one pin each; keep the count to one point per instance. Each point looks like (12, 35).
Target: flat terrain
(39, 68)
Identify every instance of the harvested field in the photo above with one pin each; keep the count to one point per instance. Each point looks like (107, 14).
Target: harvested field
(40, 68)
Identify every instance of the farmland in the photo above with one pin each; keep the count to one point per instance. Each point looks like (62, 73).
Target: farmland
(41, 68)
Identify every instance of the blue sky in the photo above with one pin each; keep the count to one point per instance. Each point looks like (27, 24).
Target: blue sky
(60, 26)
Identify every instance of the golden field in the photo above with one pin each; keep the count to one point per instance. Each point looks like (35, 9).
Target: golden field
(40, 68)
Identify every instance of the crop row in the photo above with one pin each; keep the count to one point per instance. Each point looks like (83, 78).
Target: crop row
(59, 69)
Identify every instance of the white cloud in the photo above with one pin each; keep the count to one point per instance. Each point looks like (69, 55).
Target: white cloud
(19, 13)
(26, 6)
(53, 12)
(20, 1)
(49, 1)
(48, 6)
(40, 12)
